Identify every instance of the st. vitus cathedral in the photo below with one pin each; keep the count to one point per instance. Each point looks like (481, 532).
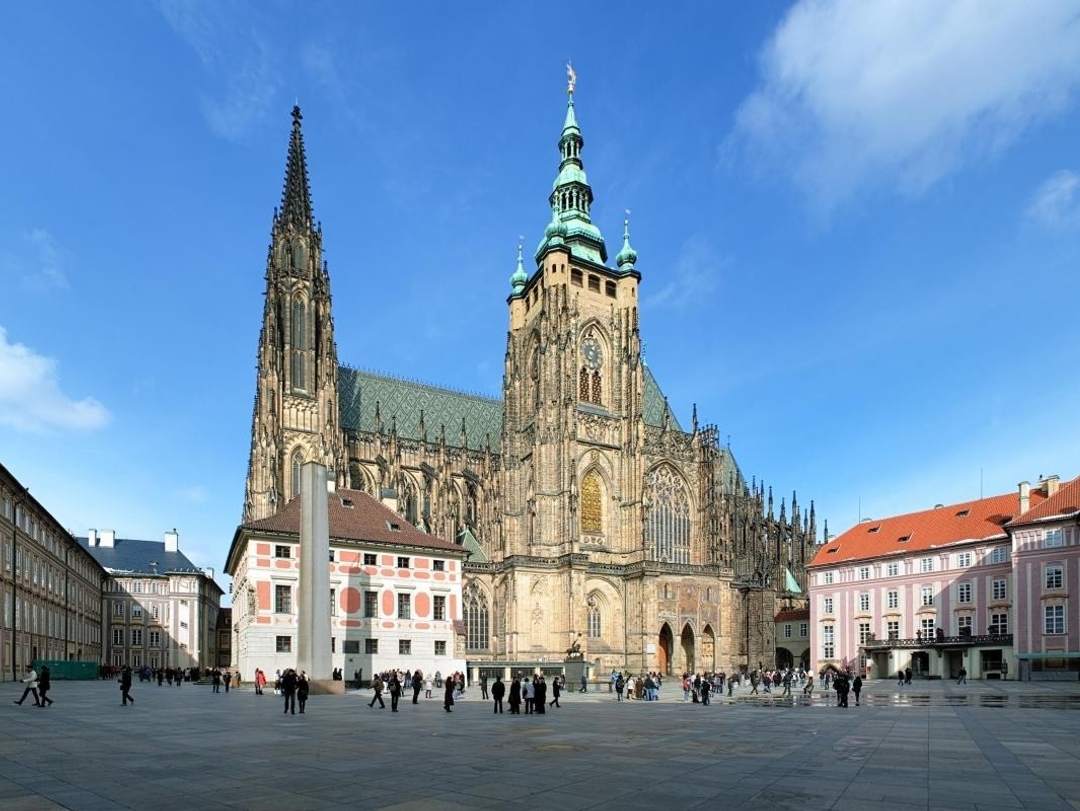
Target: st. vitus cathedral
(592, 517)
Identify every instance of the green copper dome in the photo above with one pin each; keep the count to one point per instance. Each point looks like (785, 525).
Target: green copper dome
(627, 256)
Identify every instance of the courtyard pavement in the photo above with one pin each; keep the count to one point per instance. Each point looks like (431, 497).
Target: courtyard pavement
(931, 745)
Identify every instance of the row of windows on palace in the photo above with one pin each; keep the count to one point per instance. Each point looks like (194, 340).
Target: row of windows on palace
(49, 541)
(154, 611)
(47, 620)
(284, 644)
(963, 560)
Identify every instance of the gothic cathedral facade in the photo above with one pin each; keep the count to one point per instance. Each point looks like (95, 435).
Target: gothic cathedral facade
(591, 517)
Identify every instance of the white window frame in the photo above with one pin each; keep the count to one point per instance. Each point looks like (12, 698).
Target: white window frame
(999, 589)
(1053, 620)
(1054, 576)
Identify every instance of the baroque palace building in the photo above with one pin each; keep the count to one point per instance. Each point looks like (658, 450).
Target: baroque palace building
(591, 516)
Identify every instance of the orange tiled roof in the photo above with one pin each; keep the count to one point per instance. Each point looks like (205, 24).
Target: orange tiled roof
(356, 516)
(793, 615)
(1063, 504)
(922, 531)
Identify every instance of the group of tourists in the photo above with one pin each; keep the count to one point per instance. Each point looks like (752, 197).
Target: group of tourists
(37, 685)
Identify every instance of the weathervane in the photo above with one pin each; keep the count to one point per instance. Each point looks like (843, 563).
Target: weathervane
(571, 76)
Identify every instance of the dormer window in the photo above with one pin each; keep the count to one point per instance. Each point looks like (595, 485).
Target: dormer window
(393, 527)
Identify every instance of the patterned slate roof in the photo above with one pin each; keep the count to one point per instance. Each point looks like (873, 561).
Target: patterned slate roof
(403, 400)
(1065, 503)
(355, 516)
(127, 555)
(922, 531)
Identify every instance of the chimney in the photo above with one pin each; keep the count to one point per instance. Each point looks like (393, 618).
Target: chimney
(1025, 497)
(107, 539)
(388, 496)
(1050, 484)
(172, 541)
(91, 538)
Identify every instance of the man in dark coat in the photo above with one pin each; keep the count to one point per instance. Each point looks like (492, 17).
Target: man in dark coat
(539, 695)
(448, 695)
(556, 688)
(515, 697)
(498, 690)
(483, 687)
(288, 689)
(125, 686)
(417, 683)
(395, 692)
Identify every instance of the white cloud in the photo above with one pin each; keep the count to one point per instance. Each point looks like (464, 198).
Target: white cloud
(196, 494)
(903, 92)
(30, 395)
(693, 279)
(1056, 203)
(237, 58)
(39, 265)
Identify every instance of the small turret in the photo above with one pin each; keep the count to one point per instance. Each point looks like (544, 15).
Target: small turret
(627, 256)
(520, 278)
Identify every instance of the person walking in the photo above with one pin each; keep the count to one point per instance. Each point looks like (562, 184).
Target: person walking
(556, 688)
(395, 692)
(417, 683)
(215, 678)
(484, 687)
(584, 684)
(288, 689)
(528, 693)
(44, 685)
(808, 690)
(900, 678)
(377, 686)
(856, 688)
(125, 686)
(963, 676)
(226, 679)
(540, 695)
(448, 695)
(515, 696)
(620, 685)
(302, 689)
(260, 680)
(31, 682)
(498, 690)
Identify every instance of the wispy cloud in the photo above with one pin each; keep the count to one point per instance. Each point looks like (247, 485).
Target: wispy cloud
(237, 57)
(694, 277)
(196, 494)
(39, 264)
(900, 94)
(30, 395)
(1056, 203)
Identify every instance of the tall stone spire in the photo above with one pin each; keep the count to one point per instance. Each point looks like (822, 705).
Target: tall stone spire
(295, 195)
(572, 197)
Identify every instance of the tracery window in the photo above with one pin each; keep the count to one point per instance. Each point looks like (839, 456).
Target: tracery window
(591, 513)
(298, 331)
(583, 385)
(667, 522)
(594, 622)
(475, 607)
(596, 388)
(297, 464)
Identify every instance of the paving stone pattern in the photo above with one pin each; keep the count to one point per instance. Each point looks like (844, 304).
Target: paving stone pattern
(981, 746)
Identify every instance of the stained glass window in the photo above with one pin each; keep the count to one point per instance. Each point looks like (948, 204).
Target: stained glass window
(667, 525)
(476, 618)
(591, 515)
(583, 385)
(596, 388)
(594, 622)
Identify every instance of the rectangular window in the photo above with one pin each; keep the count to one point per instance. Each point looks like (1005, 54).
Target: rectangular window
(404, 607)
(136, 636)
(283, 644)
(136, 587)
(963, 560)
(804, 629)
(118, 609)
(403, 563)
(892, 599)
(827, 605)
(927, 595)
(136, 611)
(404, 647)
(575, 277)
(892, 569)
(440, 647)
(892, 629)
(864, 572)
(1055, 576)
(609, 289)
(1052, 538)
(927, 625)
(864, 602)
(829, 576)
(333, 602)
(155, 611)
(282, 552)
(371, 646)
(963, 626)
(439, 608)
(864, 632)
(331, 555)
(118, 636)
(350, 646)
(828, 642)
(282, 599)
(998, 590)
(999, 623)
(594, 283)
(927, 565)
(155, 639)
(787, 630)
(1053, 619)
(438, 565)
(370, 559)
(1000, 555)
(963, 593)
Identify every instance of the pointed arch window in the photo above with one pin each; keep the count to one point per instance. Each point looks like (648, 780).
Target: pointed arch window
(475, 605)
(296, 466)
(583, 385)
(594, 621)
(299, 331)
(592, 503)
(596, 388)
(667, 522)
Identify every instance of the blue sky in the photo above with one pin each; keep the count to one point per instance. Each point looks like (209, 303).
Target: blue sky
(858, 227)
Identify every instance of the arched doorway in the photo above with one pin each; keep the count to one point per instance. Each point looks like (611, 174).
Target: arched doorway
(708, 649)
(687, 643)
(665, 649)
(784, 658)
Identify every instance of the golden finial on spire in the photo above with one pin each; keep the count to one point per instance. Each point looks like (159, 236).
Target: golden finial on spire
(571, 76)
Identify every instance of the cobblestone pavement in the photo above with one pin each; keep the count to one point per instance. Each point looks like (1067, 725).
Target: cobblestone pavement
(932, 745)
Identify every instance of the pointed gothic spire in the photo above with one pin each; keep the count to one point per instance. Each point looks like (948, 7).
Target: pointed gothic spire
(627, 256)
(295, 196)
(520, 278)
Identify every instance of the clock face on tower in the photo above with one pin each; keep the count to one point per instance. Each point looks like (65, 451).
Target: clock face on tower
(590, 347)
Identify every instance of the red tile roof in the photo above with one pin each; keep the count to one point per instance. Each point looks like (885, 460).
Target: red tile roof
(356, 516)
(922, 531)
(1063, 504)
(793, 614)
